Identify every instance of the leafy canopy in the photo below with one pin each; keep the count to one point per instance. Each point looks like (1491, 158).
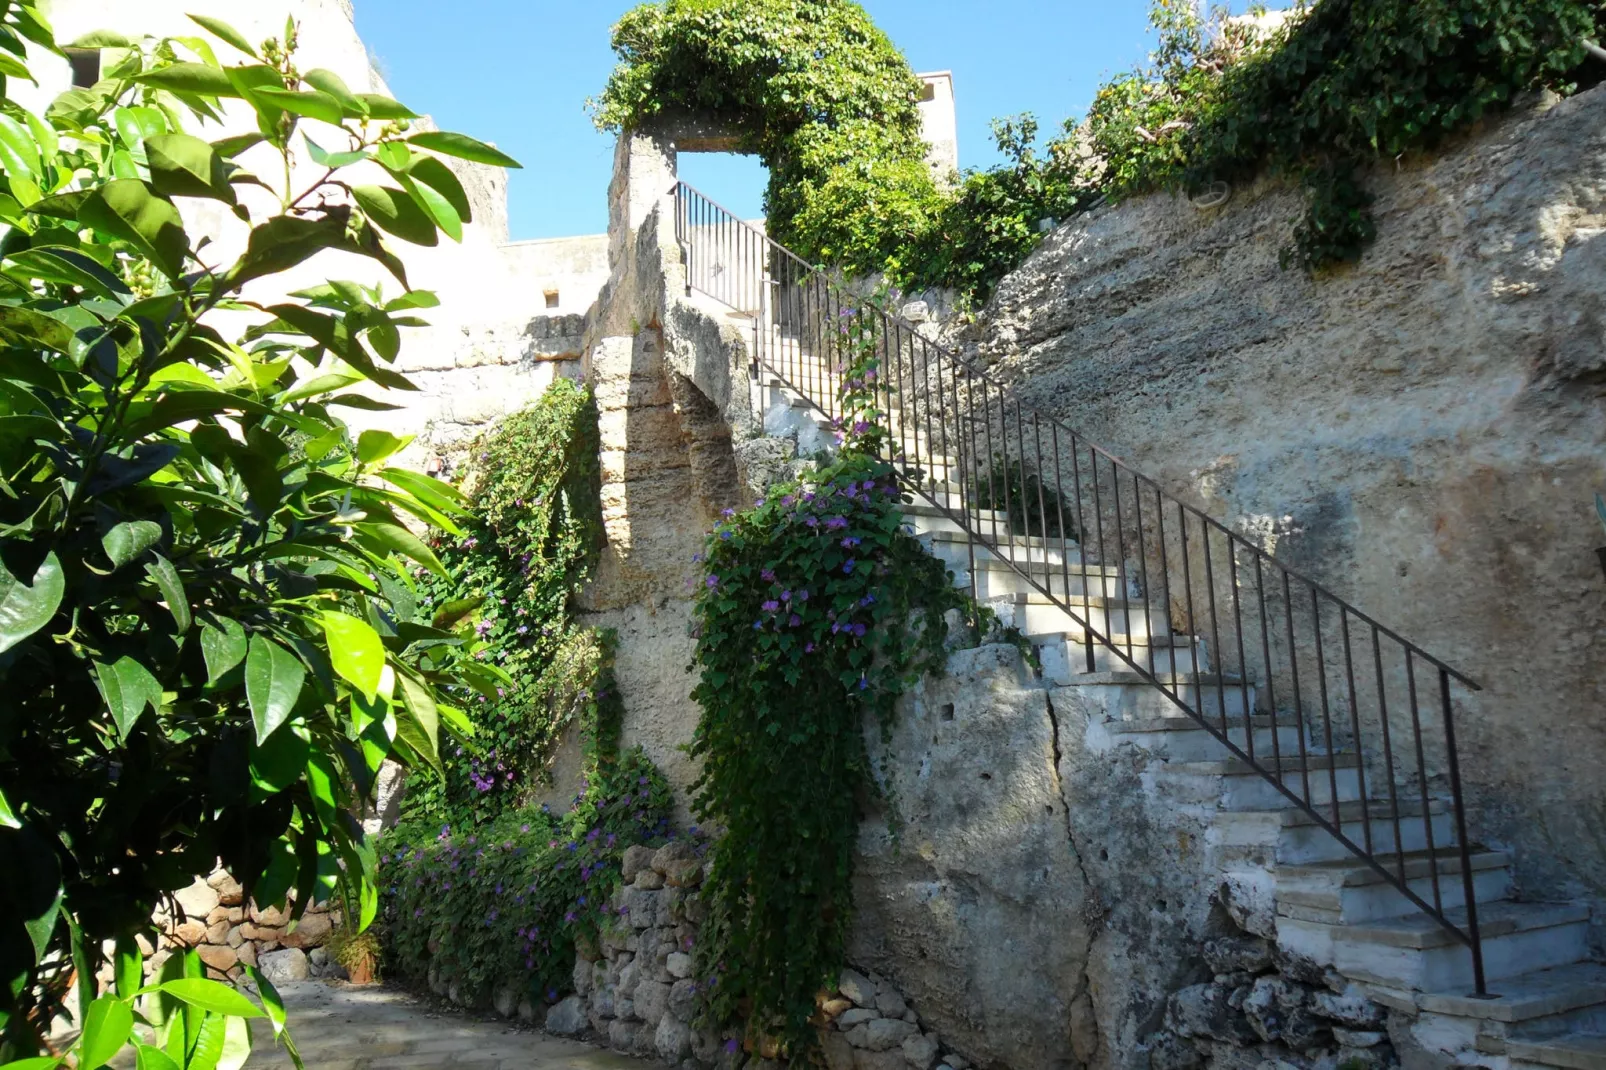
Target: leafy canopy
(210, 637)
(811, 86)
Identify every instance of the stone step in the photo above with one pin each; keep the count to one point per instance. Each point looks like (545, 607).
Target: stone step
(1234, 784)
(1290, 835)
(1536, 1005)
(1570, 1051)
(999, 579)
(959, 547)
(1129, 696)
(1064, 651)
(929, 518)
(1182, 739)
(1417, 953)
(1348, 890)
(1034, 612)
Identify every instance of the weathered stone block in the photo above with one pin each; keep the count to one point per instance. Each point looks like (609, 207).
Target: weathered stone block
(856, 1016)
(920, 1051)
(672, 1039)
(683, 1000)
(287, 965)
(652, 1000)
(880, 1034)
(678, 964)
(857, 987)
(649, 879)
(567, 1018)
(636, 857)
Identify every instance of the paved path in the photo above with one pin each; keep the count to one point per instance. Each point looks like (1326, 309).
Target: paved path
(375, 1028)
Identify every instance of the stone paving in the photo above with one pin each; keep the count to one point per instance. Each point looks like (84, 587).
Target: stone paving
(344, 1027)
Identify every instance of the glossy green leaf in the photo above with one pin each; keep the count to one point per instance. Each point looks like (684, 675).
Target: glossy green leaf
(177, 406)
(190, 78)
(149, 1058)
(100, 39)
(311, 104)
(394, 538)
(128, 540)
(375, 446)
(26, 327)
(135, 124)
(212, 996)
(168, 582)
(236, 1045)
(42, 927)
(273, 679)
(443, 180)
(128, 687)
(355, 650)
(8, 817)
(383, 107)
(37, 1062)
(394, 212)
(186, 166)
(414, 299)
(437, 207)
(209, 1039)
(126, 209)
(433, 492)
(65, 267)
(229, 147)
(18, 152)
(107, 1025)
(128, 966)
(324, 158)
(223, 31)
(25, 608)
(331, 84)
(463, 147)
(277, 763)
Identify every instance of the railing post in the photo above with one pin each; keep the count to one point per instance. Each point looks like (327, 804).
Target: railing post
(1480, 986)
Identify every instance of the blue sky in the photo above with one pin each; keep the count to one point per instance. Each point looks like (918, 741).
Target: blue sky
(518, 72)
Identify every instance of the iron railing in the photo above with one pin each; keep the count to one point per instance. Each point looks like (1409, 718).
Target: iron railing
(1097, 539)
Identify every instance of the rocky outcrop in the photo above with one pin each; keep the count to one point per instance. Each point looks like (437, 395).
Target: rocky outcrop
(1422, 432)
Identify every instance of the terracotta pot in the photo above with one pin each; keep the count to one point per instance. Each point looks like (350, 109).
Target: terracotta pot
(361, 972)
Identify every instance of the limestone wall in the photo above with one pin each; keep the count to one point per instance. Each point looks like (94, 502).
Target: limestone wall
(1423, 431)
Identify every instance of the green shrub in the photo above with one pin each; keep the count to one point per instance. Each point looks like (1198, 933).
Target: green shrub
(992, 223)
(209, 639)
(1032, 506)
(507, 900)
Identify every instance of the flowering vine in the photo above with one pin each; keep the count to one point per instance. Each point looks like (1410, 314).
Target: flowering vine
(817, 610)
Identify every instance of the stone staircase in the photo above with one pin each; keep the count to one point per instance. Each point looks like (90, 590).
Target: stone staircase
(1330, 906)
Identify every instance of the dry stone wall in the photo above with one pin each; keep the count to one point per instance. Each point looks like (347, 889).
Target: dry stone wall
(1423, 432)
(229, 933)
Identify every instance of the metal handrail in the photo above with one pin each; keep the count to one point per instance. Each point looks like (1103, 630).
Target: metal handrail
(958, 423)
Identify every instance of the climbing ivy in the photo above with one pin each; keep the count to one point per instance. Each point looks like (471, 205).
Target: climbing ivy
(1339, 84)
(814, 89)
(817, 609)
(532, 541)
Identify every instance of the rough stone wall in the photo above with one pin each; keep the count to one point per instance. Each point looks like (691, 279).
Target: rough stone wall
(230, 933)
(1423, 432)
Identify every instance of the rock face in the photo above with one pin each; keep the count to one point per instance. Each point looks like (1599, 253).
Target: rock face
(1422, 432)
(979, 913)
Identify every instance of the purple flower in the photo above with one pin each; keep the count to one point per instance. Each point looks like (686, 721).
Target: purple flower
(767, 575)
(850, 542)
(863, 683)
(859, 630)
(727, 513)
(795, 621)
(712, 582)
(812, 521)
(771, 606)
(730, 1045)
(836, 523)
(802, 596)
(847, 566)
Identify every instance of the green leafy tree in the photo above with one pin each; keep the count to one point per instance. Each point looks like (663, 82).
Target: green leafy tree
(209, 636)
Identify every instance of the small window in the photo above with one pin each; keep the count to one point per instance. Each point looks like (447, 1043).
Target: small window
(552, 299)
(928, 91)
(85, 66)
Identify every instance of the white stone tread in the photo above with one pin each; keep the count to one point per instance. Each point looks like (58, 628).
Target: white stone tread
(1527, 996)
(1571, 1051)
(1239, 767)
(1494, 919)
(1353, 873)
